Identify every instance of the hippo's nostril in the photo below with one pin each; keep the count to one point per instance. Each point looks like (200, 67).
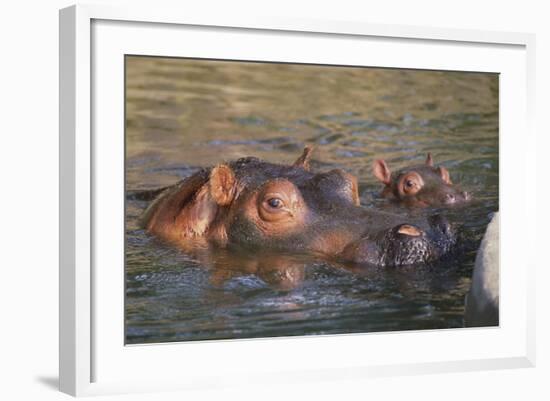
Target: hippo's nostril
(449, 198)
(440, 223)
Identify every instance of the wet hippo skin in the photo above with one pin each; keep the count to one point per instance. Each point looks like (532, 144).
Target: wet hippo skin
(420, 185)
(255, 205)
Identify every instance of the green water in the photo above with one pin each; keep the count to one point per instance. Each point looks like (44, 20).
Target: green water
(185, 114)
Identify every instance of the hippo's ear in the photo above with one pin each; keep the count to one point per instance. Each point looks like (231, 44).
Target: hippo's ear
(183, 210)
(445, 176)
(222, 184)
(381, 171)
(303, 160)
(429, 160)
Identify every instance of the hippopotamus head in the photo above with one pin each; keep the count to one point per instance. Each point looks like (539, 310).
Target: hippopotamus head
(259, 205)
(421, 185)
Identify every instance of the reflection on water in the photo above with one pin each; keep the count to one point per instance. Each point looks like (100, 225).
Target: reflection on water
(187, 114)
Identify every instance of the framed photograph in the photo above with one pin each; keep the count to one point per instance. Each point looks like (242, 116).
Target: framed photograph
(280, 200)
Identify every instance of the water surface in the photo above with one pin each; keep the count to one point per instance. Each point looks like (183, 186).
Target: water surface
(182, 115)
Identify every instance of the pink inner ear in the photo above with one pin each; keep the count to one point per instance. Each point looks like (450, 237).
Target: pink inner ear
(381, 171)
(445, 176)
(222, 184)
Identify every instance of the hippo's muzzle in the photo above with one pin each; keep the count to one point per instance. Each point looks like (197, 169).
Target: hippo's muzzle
(404, 244)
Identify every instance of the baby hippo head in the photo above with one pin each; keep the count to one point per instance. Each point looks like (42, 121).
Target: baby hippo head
(421, 185)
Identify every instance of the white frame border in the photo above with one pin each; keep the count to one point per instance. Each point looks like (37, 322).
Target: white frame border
(75, 322)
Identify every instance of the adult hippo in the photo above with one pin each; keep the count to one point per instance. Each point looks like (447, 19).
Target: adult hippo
(419, 185)
(254, 204)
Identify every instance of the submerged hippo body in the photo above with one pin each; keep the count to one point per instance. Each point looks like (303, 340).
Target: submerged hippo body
(421, 185)
(253, 204)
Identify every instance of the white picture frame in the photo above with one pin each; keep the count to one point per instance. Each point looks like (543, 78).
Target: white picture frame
(94, 361)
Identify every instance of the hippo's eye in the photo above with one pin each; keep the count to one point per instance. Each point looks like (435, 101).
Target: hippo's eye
(279, 201)
(275, 203)
(410, 184)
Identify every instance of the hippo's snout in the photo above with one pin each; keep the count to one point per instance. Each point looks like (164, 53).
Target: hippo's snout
(452, 198)
(404, 244)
